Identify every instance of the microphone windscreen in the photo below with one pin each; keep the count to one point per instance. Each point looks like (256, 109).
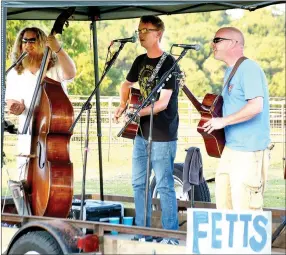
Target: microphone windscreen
(134, 38)
(197, 47)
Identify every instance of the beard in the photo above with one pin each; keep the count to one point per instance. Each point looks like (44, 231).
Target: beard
(33, 60)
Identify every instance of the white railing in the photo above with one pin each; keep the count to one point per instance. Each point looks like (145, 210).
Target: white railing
(189, 118)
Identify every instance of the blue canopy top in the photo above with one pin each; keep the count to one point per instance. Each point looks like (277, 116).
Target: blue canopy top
(119, 9)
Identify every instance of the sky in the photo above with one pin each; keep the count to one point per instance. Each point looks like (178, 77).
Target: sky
(238, 13)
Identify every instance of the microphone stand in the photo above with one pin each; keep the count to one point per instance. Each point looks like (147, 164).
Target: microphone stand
(87, 106)
(151, 98)
(8, 126)
(23, 55)
(17, 188)
(85, 161)
(9, 69)
(149, 162)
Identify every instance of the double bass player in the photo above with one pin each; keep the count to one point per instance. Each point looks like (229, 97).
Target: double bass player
(21, 80)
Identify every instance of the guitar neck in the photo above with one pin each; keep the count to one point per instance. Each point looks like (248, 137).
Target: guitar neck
(193, 99)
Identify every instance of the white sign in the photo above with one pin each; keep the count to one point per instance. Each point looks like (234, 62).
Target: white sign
(212, 231)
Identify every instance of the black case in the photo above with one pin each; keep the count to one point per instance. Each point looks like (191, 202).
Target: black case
(95, 210)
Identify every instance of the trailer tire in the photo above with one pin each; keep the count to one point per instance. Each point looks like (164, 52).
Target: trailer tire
(40, 242)
(201, 192)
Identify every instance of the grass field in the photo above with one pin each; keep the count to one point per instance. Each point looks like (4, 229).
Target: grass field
(117, 159)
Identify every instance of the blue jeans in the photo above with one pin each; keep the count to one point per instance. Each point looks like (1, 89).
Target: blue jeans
(162, 160)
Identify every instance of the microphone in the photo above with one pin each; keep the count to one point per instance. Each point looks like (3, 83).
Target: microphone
(132, 39)
(22, 56)
(188, 46)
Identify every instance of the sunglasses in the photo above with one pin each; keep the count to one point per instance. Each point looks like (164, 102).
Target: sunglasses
(219, 39)
(145, 30)
(30, 40)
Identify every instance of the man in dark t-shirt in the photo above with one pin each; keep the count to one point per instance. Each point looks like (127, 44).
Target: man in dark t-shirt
(165, 126)
(165, 121)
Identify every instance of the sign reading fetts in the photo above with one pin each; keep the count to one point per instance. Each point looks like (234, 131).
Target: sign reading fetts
(230, 232)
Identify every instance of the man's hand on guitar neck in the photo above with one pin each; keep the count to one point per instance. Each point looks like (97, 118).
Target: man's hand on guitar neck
(214, 124)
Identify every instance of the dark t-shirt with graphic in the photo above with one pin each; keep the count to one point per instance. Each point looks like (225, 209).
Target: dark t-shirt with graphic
(165, 123)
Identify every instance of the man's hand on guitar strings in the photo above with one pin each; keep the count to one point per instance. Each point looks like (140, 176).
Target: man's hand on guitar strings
(117, 114)
(214, 124)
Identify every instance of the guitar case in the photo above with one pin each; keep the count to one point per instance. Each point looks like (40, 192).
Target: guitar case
(95, 210)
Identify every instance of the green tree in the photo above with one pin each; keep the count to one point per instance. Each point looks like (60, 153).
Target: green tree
(264, 32)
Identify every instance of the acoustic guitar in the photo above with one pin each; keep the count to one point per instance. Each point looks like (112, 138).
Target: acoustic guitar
(135, 100)
(210, 107)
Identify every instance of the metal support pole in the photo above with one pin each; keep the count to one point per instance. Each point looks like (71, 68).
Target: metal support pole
(3, 62)
(98, 116)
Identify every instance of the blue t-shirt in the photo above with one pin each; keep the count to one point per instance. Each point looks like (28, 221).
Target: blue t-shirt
(248, 82)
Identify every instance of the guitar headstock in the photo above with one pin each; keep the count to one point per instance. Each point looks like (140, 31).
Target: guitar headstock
(61, 20)
(181, 78)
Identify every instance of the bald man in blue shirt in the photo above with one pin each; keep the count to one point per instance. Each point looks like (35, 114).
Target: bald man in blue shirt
(242, 171)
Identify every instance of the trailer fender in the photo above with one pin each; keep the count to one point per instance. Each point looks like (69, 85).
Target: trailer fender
(66, 234)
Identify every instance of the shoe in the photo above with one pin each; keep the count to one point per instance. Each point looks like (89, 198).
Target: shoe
(142, 238)
(170, 241)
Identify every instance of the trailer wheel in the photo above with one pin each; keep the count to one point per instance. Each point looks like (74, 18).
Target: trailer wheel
(36, 242)
(201, 192)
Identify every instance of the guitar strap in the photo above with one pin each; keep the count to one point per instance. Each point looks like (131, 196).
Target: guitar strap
(154, 73)
(237, 64)
(157, 68)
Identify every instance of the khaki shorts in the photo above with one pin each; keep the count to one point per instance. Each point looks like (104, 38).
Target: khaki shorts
(240, 179)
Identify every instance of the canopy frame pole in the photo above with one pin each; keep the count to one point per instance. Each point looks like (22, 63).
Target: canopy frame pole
(97, 97)
(3, 75)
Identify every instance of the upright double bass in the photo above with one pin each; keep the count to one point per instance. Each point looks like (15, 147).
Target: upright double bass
(50, 171)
